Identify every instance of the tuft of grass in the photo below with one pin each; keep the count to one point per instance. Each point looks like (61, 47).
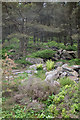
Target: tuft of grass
(66, 81)
(40, 74)
(49, 64)
(39, 67)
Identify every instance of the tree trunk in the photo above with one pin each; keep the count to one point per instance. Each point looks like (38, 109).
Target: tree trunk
(78, 50)
(65, 40)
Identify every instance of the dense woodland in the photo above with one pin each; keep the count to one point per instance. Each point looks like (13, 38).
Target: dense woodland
(41, 59)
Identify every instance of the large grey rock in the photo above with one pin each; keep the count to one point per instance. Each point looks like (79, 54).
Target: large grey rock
(35, 60)
(76, 67)
(74, 78)
(67, 68)
(66, 55)
(53, 75)
(72, 53)
(74, 73)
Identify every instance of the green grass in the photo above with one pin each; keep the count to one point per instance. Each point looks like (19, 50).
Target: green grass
(40, 74)
(66, 81)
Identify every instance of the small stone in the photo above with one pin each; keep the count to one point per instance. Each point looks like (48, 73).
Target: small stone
(44, 69)
(28, 71)
(36, 72)
(35, 60)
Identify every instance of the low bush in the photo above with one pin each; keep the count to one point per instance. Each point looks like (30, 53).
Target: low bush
(45, 54)
(65, 104)
(49, 64)
(74, 62)
(71, 48)
(37, 88)
(62, 46)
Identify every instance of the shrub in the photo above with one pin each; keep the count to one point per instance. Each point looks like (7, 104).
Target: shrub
(74, 62)
(37, 88)
(8, 65)
(45, 54)
(50, 65)
(66, 81)
(71, 48)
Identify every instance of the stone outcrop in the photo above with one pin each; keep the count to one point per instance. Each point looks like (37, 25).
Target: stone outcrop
(35, 60)
(62, 71)
(65, 55)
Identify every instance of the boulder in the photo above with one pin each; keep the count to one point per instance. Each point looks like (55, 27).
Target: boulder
(35, 60)
(66, 55)
(67, 68)
(53, 75)
(74, 73)
(72, 53)
(76, 67)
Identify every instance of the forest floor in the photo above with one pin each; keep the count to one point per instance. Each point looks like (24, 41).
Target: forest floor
(26, 95)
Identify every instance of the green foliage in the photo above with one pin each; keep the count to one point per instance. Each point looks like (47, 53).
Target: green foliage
(16, 112)
(23, 61)
(49, 64)
(40, 74)
(45, 54)
(71, 48)
(39, 67)
(61, 104)
(66, 81)
(74, 62)
(71, 62)
(61, 45)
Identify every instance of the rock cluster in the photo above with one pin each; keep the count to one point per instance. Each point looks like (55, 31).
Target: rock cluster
(63, 71)
(65, 55)
(35, 60)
